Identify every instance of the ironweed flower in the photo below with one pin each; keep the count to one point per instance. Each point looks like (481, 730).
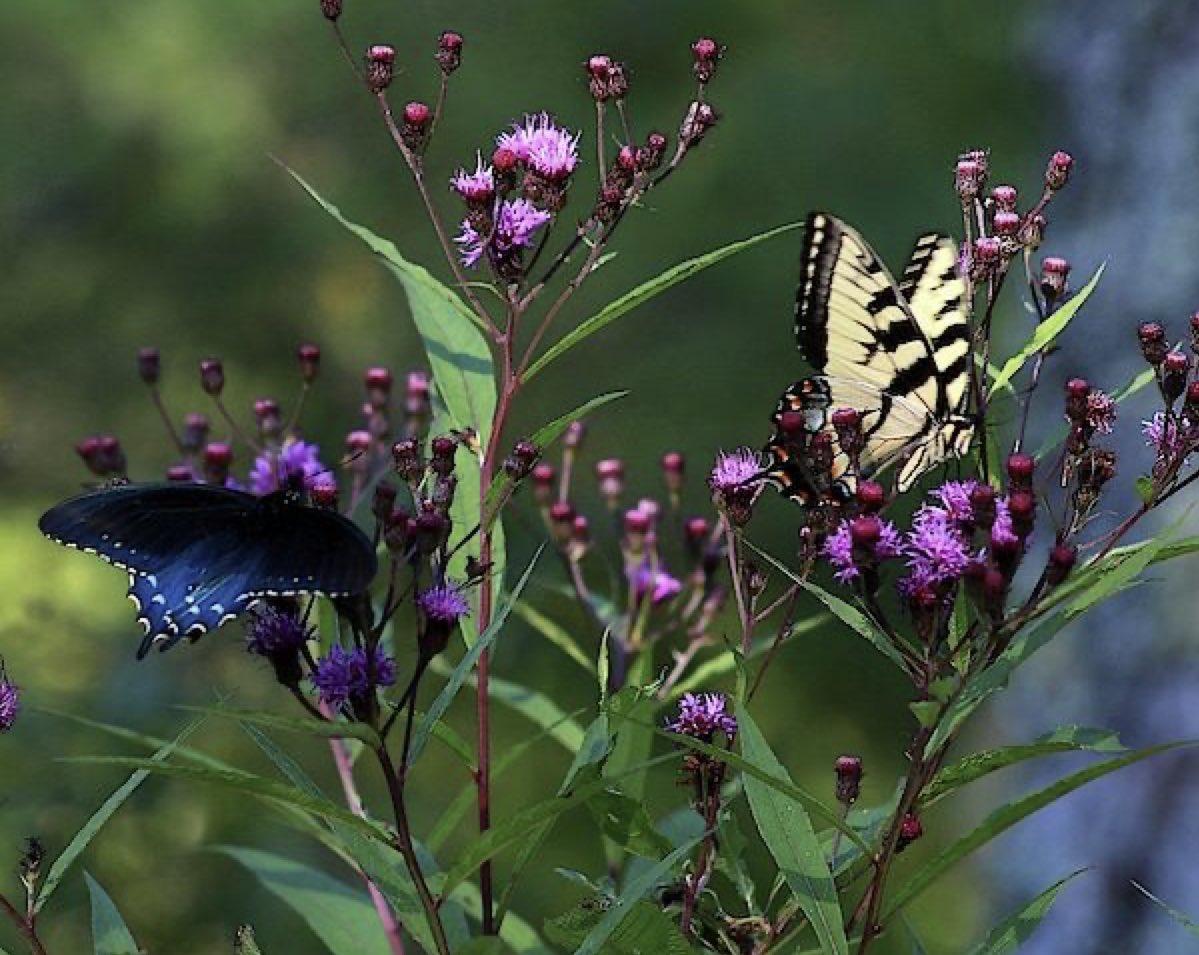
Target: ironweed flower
(279, 635)
(702, 715)
(1172, 437)
(655, 581)
(344, 676)
(10, 701)
(478, 187)
(543, 146)
(935, 547)
(870, 544)
(514, 230)
(295, 465)
(442, 606)
(733, 481)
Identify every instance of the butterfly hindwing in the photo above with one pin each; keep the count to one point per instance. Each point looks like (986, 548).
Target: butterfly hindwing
(198, 555)
(897, 352)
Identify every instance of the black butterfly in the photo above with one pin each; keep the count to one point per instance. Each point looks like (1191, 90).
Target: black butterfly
(199, 555)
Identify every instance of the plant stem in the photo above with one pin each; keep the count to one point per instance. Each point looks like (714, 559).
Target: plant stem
(24, 925)
(404, 843)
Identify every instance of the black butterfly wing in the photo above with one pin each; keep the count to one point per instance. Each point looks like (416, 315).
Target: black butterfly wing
(199, 556)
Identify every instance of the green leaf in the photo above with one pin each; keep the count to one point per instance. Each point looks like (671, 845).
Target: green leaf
(1007, 816)
(641, 937)
(787, 831)
(1007, 937)
(1127, 390)
(993, 679)
(293, 724)
(644, 929)
(643, 293)
(341, 917)
(630, 711)
(467, 664)
(851, 616)
(1180, 917)
(1062, 740)
(110, 935)
(706, 673)
(543, 437)
(1114, 579)
(555, 633)
(516, 828)
(247, 783)
(624, 821)
(1145, 486)
(88, 832)
(1046, 332)
(597, 744)
(926, 712)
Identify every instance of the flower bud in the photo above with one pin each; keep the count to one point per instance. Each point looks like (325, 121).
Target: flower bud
(398, 530)
(1078, 390)
(987, 251)
(1054, 272)
(331, 9)
(650, 156)
(520, 462)
(1023, 508)
(269, 417)
(707, 53)
(218, 457)
(982, 505)
(442, 450)
(599, 69)
(910, 829)
(358, 450)
(610, 475)
(562, 519)
(1061, 561)
(180, 474)
(1006, 224)
(323, 493)
(847, 422)
(696, 532)
(1020, 469)
(309, 357)
(432, 528)
(378, 386)
(969, 178)
(1004, 198)
(871, 496)
(1058, 171)
(149, 365)
(418, 120)
(195, 432)
(637, 525)
(449, 51)
(543, 483)
(572, 440)
(1175, 367)
(1154, 346)
(849, 779)
(383, 500)
(212, 376)
(504, 161)
(408, 460)
(380, 67)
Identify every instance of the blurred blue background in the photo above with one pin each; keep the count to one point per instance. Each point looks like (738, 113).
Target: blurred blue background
(141, 206)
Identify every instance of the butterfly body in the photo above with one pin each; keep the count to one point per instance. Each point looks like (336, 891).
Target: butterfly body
(198, 555)
(896, 352)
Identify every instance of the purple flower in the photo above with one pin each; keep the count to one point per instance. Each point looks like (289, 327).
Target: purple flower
(1169, 435)
(343, 676)
(654, 581)
(734, 470)
(1101, 411)
(1003, 534)
(550, 151)
(444, 603)
(10, 702)
(935, 548)
(476, 187)
(296, 464)
(275, 633)
(701, 715)
(955, 498)
(518, 220)
(839, 548)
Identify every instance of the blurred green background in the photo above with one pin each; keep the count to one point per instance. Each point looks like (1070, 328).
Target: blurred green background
(141, 206)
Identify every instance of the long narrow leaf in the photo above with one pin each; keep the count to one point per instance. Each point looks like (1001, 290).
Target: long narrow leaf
(1046, 332)
(467, 664)
(106, 811)
(110, 934)
(643, 293)
(307, 725)
(1007, 816)
(787, 831)
(342, 918)
(1181, 918)
(555, 633)
(1007, 937)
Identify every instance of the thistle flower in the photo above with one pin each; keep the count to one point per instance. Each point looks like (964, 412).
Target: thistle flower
(955, 498)
(656, 582)
(702, 715)
(344, 676)
(279, 636)
(548, 150)
(10, 701)
(1170, 436)
(935, 547)
(445, 603)
(295, 465)
(477, 187)
(733, 470)
(844, 549)
(515, 227)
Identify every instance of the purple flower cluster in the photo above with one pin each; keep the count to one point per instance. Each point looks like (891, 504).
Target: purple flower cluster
(538, 142)
(655, 581)
(477, 186)
(515, 228)
(445, 603)
(702, 715)
(1172, 437)
(296, 464)
(840, 546)
(734, 469)
(10, 702)
(274, 633)
(343, 676)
